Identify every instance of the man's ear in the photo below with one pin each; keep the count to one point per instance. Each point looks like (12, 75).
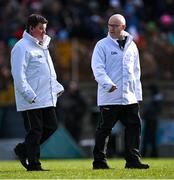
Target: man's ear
(31, 29)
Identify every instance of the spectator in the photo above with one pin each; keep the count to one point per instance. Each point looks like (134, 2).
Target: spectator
(151, 113)
(71, 109)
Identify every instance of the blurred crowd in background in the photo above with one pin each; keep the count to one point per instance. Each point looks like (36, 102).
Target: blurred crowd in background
(75, 26)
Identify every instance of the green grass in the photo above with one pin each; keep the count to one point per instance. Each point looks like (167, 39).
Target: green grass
(82, 169)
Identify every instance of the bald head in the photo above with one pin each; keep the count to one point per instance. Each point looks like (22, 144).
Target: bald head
(116, 26)
(117, 18)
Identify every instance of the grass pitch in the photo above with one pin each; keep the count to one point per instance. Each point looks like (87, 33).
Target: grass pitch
(82, 169)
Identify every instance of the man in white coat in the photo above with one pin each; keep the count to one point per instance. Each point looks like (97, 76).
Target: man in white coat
(116, 67)
(36, 90)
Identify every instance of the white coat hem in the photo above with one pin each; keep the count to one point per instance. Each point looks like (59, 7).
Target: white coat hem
(110, 104)
(36, 107)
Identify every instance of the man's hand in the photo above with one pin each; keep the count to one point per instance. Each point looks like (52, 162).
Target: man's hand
(113, 88)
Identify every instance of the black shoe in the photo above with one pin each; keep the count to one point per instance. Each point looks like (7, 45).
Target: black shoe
(136, 165)
(36, 168)
(20, 152)
(100, 165)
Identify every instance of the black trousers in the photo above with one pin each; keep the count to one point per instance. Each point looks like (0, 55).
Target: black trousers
(129, 116)
(40, 124)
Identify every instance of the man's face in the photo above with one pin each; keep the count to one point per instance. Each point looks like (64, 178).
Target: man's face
(39, 31)
(115, 27)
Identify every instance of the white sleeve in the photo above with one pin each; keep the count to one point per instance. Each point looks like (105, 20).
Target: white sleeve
(98, 67)
(137, 71)
(19, 58)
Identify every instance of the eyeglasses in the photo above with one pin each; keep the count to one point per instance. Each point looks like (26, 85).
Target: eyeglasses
(114, 25)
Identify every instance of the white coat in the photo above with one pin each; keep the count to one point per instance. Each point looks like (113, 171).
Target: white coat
(114, 66)
(33, 73)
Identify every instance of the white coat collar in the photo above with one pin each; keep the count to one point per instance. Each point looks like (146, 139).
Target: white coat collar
(46, 40)
(130, 37)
